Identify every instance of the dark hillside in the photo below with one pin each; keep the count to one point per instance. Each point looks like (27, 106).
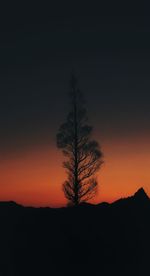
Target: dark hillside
(103, 239)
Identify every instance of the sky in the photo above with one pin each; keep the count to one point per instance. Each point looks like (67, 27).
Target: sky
(110, 55)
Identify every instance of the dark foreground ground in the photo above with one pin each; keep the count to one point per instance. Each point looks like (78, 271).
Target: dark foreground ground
(106, 239)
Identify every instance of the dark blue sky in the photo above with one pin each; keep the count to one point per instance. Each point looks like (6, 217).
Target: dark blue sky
(38, 50)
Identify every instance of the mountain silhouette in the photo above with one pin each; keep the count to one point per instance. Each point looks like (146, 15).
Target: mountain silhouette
(139, 198)
(9, 204)
(103, 239)
(141, 195)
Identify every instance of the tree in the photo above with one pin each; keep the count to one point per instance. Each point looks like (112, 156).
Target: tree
(83, 155)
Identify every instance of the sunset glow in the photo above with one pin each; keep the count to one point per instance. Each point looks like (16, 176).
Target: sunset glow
(34, 177)
(109, 56)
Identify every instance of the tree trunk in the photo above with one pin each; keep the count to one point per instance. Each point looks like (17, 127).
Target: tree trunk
(76, 184)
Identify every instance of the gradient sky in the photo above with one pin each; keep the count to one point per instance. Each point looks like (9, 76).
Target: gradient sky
(110, 55)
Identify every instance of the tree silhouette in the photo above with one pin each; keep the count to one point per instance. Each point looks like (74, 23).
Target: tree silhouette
(83, 156)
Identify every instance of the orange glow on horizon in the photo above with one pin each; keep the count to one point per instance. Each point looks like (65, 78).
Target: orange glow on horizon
(35, 177)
